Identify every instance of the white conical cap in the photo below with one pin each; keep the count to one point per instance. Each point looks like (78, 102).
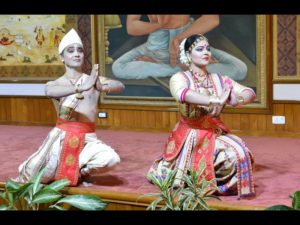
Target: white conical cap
(70, 38)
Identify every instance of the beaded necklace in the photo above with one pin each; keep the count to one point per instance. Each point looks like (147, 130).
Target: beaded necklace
(204, 86)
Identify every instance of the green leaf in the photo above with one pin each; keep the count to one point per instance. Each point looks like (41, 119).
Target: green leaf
(296, 200)
(46, 196)
(212, 196)
(154, 204)
(202, 203)
(36, 181)
(84, 202)
(58, 207)
(168, 182)
(156, 181)
(12, 186)
(25, 192)
(186, 203)
(2, 195)
(279, 208)
(10, 197)
(187, 180)
(4, 207)
(58, 185)
(177, 192)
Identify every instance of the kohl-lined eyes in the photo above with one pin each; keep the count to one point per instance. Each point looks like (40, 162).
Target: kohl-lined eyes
(201, 48)
(72, 50)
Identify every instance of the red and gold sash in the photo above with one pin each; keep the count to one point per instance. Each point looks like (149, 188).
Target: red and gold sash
(73, 143)
(206, 129)
(180, 132)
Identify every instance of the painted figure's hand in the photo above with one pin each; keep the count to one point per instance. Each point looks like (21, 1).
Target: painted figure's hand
(183, 67)
(163, 20)
(174, 51)
(145, 58)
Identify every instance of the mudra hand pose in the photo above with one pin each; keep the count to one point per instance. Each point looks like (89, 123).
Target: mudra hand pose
(72, 149)
(200, 134)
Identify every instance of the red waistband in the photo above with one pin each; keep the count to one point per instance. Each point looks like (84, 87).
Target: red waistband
(81, 127)
(205, 123)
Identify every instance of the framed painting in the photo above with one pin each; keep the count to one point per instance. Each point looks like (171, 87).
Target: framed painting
(286, 47)
(245, 37)
(28, 45)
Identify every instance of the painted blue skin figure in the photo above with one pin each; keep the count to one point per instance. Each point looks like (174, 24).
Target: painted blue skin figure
(158, 57)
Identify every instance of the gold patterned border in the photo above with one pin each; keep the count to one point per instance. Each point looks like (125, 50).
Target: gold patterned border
(286, 78)
(262, 84)
(36, 73)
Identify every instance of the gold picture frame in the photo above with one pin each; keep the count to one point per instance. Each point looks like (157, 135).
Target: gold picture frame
(262, 73)
(31, 55)
(290, 40)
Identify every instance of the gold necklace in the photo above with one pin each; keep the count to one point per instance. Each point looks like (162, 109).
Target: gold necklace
(196, 74)
(73, 82)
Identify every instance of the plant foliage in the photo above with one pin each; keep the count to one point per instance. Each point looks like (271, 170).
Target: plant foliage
(193, 196)
(33, 195)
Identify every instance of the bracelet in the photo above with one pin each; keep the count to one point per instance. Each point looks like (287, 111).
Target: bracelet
(182, 96)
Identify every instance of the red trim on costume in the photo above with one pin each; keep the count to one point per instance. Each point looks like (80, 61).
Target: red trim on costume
(206, 128)
(179, 134)
(73, 143)
(205, 149)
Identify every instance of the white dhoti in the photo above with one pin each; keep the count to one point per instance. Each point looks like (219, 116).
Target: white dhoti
(95, 157)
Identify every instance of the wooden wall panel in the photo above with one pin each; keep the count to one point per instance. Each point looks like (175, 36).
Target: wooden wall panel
(296, 115)
(40, 111)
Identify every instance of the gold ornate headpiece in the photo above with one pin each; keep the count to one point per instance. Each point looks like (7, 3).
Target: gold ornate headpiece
(200, 38)
(183, 54)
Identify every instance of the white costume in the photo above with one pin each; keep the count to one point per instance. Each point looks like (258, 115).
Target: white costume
(90, 156)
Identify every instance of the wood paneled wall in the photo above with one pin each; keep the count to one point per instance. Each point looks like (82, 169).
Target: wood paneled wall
(27, 111)
(40, 111)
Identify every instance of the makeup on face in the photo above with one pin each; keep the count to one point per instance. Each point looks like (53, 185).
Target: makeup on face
(73, 55)
(201, 53)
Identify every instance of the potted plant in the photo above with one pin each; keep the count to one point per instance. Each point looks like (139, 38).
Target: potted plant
(36, 196)
(295, 203)
(193, 196)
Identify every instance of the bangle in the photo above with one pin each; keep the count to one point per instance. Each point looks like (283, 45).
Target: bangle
(182, 96)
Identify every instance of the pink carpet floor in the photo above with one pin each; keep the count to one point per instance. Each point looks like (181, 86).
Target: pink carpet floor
(276, 173)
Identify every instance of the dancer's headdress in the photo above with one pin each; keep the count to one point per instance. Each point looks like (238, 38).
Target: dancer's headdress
(183, 57)
(70, 38)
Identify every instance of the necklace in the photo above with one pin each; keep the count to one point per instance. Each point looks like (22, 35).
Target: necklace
(74, 83)
(196, 74)
(204, 86)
